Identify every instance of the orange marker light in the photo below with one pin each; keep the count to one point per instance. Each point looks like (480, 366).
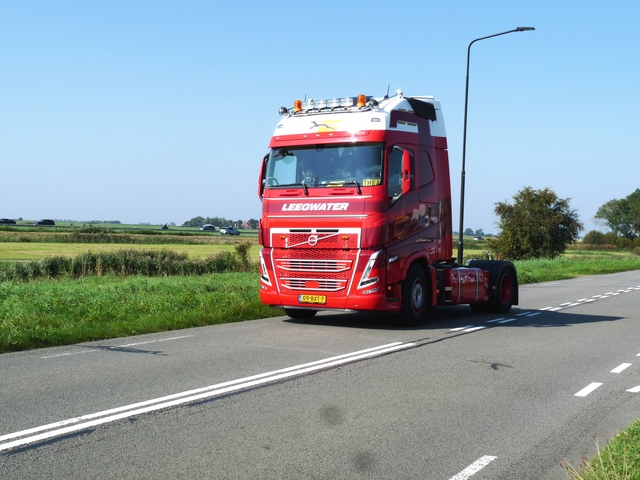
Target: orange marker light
(362, 100)
(297, 106)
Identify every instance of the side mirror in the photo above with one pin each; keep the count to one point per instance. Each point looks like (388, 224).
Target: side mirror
(406, 172)
(261, 177)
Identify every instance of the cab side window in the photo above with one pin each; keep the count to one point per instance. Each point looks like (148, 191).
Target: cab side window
(394, 178)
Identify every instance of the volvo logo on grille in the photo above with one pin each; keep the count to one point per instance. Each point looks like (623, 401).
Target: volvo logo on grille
(313, 240)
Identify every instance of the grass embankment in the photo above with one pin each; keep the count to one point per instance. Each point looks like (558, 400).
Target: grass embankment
(66, 311)
(61, 300)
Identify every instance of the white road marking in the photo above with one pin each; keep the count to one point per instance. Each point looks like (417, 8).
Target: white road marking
(474, 468)
(634, 389)
(621, 368)
(460, 328)
(587, 390)
(495, 320)
(473, 329)
(545, 308)
(115, 347)
(93, 419)
(534, 314)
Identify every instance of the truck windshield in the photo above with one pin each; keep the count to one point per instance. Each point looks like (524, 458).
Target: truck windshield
(325, 165)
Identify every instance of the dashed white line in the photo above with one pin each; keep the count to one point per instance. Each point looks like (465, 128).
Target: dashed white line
(620, 368)
(507, 320)
(495, 320)
(474, 468)
(588, 389)
(460, 328)
(473, 329)
(634, 389)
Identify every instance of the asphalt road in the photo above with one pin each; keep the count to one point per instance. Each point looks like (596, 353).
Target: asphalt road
(342, 396)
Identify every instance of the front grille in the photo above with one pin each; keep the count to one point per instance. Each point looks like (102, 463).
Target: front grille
(315, 259)
(313, 265)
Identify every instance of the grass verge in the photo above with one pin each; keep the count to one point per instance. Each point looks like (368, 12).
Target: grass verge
(66, 311)
(619, 459)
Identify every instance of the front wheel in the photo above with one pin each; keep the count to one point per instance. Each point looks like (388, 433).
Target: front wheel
(300, 313)
(415, 291)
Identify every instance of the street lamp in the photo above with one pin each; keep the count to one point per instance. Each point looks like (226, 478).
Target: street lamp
(464, 135)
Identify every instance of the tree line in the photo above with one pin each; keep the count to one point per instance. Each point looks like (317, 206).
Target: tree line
(219, 222)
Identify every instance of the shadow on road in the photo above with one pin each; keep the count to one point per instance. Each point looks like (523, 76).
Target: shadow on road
(456, 317)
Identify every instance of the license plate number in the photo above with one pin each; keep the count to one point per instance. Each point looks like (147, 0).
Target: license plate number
(318, 299)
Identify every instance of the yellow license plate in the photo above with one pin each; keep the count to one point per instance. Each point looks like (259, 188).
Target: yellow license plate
(321, 299)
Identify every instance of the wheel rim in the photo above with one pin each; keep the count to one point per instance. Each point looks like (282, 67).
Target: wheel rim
(505, 289)
(417, 296)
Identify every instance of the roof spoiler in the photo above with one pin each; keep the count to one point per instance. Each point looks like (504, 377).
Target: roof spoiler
(423, 109)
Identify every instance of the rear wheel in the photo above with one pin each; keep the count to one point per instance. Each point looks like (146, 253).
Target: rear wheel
(504, 285)
(503, 300)
(300, 313)
(415, 294)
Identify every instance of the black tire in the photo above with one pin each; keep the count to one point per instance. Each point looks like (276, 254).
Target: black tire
(300, 314)
(505, 286)
(415, 295)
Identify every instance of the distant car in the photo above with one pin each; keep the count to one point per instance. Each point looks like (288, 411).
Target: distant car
(229, 231)
(478, 238)
(45, 222)
(7, 221)
(208, 228)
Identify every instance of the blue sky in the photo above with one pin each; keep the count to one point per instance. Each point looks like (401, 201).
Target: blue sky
(158, 111)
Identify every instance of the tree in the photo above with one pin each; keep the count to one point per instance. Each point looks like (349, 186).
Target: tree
(253, 223)
(537, 225)
(622, 216)
(468, 232)
(479, 233)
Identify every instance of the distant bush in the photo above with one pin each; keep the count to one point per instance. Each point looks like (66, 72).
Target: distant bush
(151, 263)
(594, 237)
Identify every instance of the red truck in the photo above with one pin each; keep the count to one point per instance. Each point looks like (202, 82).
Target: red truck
(356, 214)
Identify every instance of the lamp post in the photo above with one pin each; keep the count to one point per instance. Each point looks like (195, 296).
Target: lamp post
(464, 135)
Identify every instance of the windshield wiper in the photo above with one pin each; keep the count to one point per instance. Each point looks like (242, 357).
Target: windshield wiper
(354, 182)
